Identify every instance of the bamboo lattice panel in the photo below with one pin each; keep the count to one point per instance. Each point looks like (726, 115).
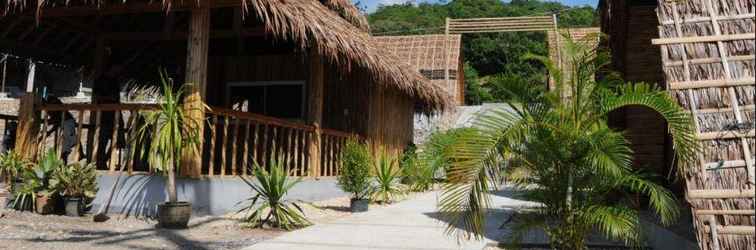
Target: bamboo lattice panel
(500, 24)
(707, 49)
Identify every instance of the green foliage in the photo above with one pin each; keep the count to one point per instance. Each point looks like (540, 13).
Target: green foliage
(11, 164)
(38, 180)
(418, 177)
(387, 187)
(355, 170)
(271, 188)
(77, 180)
(490, 54)
(170, 131)
(559, 151)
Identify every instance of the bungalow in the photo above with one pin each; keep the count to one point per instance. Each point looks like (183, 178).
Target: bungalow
(290, 80)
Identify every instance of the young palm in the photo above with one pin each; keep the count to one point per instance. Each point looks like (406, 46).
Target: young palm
(171, 132)
(558, 151)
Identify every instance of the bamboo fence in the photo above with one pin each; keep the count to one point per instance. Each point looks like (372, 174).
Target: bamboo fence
(707, 49)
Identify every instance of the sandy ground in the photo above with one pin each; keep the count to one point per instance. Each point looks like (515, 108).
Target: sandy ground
(25, 230)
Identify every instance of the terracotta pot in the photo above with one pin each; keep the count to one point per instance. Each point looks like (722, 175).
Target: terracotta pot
(45, 204)
(359, 205)
(174, 215)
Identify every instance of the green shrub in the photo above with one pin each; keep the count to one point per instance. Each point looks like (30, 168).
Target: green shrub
(11, 164)
(355, 170)
(387, 188)
(38, 180)
(418, 176)
(271, 188)
(77, 180)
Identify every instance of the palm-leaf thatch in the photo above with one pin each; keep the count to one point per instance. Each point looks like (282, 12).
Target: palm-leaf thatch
(335, 28)
(712, 75)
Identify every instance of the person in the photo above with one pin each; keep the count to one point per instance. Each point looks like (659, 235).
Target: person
(67, 126)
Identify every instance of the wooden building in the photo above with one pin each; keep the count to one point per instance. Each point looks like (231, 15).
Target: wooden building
(702, 53)
(285, 79)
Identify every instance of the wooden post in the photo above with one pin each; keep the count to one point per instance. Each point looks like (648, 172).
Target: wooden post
(196, 80)
(315, 109)
(28, 126)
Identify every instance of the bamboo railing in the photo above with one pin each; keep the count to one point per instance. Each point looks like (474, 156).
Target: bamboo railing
(233, 144)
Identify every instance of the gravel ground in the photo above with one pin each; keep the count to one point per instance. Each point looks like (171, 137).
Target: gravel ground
(24, 230)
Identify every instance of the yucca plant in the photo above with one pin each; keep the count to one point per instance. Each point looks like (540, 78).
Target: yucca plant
(269, 205)
(169, 131)
(39, 187)
(387, 186)
(559, 151)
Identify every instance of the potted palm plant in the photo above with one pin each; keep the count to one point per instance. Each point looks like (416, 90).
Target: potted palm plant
(77, 183)
(387, 188)
(355, 174)
(170, 132)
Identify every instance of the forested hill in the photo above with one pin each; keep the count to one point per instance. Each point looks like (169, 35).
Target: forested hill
(491, 59)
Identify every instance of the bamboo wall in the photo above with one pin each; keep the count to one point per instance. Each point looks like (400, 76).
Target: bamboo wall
(707, 50)
(353, 101)
(629, 30)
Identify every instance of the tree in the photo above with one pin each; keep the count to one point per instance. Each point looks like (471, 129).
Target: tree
(556, 148)
(489, 54)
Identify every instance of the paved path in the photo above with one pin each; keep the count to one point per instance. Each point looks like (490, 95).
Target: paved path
(411, 224)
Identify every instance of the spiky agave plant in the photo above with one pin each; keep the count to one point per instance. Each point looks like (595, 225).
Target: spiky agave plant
(565, 155)
(387, 187)
(268, 206)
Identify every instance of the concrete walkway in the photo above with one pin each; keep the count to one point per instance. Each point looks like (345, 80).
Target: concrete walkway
(411, 224)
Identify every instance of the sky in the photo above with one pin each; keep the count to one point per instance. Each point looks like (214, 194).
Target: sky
(372, 5)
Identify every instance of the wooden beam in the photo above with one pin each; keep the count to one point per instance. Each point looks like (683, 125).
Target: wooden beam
(315, 108)
(721, 193)
(196, 80)
(703, 39)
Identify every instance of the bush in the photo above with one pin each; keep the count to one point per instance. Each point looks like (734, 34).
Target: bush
(77, 180)
(418, 176)
(355, 170)
(11, 164)
(271, 188)
(38, 180)
(387, 187)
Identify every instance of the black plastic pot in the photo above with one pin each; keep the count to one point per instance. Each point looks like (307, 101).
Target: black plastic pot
(174, 215)
(73, 206)
(359, 205)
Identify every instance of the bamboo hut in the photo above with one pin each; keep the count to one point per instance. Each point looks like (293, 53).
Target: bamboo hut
(702, 52)
(437, 57)
(289, 79)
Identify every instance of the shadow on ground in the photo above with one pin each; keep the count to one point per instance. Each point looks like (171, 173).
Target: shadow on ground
(126, 239)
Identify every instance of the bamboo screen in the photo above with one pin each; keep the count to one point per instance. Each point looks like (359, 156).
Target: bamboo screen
(707, 49)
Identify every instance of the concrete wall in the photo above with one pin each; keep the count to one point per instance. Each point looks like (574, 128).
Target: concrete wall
(138, 195)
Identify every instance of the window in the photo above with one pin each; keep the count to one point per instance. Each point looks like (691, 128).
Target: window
(277, 99)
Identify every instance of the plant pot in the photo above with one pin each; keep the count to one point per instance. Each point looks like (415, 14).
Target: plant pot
(359, 205)
(174, 215)
(73, 206)
(45, 204)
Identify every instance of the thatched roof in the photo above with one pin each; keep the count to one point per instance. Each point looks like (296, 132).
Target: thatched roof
(334, 27)
(431, 55)
(309, 22)
(707, 50)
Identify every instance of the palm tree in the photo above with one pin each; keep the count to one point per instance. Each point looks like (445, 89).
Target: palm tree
(557, 149)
